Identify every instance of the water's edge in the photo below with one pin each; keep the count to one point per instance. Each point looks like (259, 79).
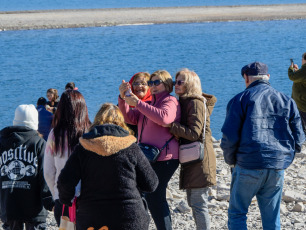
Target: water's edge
(54, 19)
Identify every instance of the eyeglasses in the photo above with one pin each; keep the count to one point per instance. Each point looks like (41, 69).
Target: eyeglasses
(139, 84)
(179, 82)
(156, 83)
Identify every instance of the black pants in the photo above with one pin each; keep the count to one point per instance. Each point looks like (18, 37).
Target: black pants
(156, 200)
(19, 225)
(58, 209)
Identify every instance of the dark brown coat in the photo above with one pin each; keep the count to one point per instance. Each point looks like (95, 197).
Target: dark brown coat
(190, 129)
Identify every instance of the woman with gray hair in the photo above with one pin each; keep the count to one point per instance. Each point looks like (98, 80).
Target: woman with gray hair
(195, 177)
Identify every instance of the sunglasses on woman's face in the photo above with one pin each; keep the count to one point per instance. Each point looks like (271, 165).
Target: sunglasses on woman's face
(139, 84)
(156, 83)
(179, 82)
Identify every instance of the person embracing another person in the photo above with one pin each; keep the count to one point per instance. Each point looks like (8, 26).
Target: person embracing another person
(195, 177)
(150, 118)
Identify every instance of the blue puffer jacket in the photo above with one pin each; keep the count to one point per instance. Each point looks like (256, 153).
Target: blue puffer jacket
(44, 121)
(262, 128)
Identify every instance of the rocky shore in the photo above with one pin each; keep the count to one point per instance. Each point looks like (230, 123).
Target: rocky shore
(52, 19)
(293, 206)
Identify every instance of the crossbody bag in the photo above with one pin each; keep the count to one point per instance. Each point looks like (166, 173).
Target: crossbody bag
(151, 151)
(193, 152)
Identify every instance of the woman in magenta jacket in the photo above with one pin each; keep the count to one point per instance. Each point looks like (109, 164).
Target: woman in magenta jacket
(150, 118)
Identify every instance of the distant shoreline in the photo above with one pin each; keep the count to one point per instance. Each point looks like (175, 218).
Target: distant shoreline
(54, 19)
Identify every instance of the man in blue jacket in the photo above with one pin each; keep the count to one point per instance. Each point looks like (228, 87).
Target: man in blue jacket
(261, 134)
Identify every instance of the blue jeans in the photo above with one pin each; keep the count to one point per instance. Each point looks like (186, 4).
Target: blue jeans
(266, 185)
(197, 199)
(156, 200)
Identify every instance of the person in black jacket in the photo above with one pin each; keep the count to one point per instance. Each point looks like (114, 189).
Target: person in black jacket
(24, 193)
(113, 173)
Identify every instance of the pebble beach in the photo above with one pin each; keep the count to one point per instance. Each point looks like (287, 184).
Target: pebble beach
(293, 205)
(53, 19)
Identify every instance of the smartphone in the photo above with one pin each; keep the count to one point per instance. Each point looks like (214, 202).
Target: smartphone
(291, 60)
(128, 93)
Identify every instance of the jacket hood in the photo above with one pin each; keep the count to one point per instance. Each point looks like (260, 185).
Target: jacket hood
(210, 99)
(16, 135)
(107, 139)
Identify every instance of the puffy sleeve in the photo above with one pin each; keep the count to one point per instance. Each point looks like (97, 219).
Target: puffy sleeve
(146, 177)
(46, 195)
(168, 111)
(231, 130)
(297, 76)
(195, 122)
(130, 115)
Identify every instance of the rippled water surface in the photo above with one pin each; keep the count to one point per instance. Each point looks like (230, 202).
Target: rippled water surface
(97, 59)
(13, 5)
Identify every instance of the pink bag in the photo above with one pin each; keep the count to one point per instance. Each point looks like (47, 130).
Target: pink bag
(193, 152)
(68, 223)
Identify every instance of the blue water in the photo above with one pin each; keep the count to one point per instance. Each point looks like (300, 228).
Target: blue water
(97, 59)
(13, 5)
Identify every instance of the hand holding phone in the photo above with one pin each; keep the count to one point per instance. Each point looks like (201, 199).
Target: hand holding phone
(291, 60)
(128, 92)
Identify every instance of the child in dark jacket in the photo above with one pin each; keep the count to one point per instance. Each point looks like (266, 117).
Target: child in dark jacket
(24, 193)
(112, 170)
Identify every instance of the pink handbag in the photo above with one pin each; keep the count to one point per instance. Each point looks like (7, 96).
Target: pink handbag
(68, 223)
(193, 152)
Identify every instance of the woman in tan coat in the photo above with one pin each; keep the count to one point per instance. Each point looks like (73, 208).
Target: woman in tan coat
(195, 177)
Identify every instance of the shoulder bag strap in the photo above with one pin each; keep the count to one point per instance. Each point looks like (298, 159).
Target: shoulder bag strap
(165, 145)
(63, 210)
(143, 120)
(204, 127)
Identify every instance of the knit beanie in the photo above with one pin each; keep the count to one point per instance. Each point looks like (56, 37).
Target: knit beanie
(26, 115)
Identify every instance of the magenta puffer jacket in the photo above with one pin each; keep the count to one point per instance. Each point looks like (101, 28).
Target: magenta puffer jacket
(162, 110)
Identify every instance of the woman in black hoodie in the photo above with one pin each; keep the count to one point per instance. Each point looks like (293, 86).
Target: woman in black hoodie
(113, 171)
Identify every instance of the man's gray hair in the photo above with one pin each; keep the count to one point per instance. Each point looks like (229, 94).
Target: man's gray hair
(258, 77)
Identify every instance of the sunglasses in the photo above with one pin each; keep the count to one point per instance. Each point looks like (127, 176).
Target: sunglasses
(139, 83)
(156, 83)
(179, 82)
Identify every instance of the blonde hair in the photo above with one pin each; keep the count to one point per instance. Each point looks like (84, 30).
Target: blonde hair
(192, 82)
(110, 114)
(145, 75)
(166, 79)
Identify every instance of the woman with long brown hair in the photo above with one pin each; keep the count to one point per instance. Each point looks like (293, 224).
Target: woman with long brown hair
(69, 123)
